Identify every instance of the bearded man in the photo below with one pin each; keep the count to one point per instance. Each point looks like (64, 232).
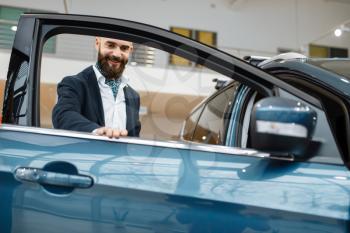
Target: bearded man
(99, 99)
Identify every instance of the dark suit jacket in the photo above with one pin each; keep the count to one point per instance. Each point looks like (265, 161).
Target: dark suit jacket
(79, 106)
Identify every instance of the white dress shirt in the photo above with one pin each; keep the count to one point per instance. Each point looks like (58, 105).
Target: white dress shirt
(114, 109)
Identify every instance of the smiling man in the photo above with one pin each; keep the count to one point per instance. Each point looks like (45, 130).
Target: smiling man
(99, 99)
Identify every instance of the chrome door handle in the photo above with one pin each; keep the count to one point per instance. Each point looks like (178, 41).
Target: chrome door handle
(52, 178)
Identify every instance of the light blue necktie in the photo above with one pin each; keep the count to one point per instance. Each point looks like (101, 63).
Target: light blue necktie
(114, 85)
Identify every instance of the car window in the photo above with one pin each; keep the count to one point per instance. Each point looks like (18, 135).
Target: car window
(190, 123)
(20, 95)
(168, 92)
(211, 125)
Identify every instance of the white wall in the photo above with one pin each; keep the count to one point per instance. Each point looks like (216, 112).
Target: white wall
(253, 26)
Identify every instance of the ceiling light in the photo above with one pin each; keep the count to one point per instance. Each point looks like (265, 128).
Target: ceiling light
(338, 32)
(14, 28)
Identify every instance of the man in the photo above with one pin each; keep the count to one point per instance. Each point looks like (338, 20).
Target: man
(98, 99)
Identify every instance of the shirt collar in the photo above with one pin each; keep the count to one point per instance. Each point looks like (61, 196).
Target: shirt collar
(100, 77)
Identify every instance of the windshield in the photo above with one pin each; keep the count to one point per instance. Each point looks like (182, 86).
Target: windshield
(340, 67)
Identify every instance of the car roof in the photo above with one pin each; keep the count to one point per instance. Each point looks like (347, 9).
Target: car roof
(311, 67)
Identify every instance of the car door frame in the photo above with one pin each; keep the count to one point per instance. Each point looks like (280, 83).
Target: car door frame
(35, 29)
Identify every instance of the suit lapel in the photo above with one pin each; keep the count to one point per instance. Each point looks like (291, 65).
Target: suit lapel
(129, 110)
(96, 99)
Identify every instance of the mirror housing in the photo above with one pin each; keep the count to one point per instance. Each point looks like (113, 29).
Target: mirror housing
(282, 126)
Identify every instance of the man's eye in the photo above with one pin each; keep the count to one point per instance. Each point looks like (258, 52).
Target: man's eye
(124, 48)
(110, 46)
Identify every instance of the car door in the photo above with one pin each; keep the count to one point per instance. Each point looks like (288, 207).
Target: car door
(54, 181)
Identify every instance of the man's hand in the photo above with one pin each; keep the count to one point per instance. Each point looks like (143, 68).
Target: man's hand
(110, 132)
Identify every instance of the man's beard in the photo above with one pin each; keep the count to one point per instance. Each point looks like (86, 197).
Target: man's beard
(110, 72)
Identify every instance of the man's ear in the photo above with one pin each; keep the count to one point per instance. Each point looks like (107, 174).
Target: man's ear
(97, 42)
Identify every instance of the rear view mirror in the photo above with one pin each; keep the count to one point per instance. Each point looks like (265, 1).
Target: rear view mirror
(282, 126)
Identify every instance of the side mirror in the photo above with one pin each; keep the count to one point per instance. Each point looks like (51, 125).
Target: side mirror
(282, 126)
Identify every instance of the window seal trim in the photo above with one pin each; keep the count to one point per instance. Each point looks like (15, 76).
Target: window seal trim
(138, 141)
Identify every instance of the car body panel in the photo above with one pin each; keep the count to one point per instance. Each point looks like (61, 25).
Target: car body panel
(143, 188)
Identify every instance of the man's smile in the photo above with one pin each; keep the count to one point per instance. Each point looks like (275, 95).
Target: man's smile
(114, 62)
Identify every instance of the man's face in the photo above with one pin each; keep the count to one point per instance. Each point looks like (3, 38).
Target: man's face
(113, 55)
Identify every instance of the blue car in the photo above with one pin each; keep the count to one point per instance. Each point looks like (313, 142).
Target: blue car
(268, 152)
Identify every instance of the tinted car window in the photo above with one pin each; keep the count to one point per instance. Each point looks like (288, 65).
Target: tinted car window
(17, 113)
(190, 124)
(211, 124)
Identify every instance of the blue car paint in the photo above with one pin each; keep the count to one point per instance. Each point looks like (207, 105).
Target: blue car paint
(144, 188)
(287, 111)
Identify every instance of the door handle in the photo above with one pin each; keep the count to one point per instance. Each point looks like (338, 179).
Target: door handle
(36, 175)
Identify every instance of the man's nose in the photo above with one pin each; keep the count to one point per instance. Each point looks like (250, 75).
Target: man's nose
(116, 52)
